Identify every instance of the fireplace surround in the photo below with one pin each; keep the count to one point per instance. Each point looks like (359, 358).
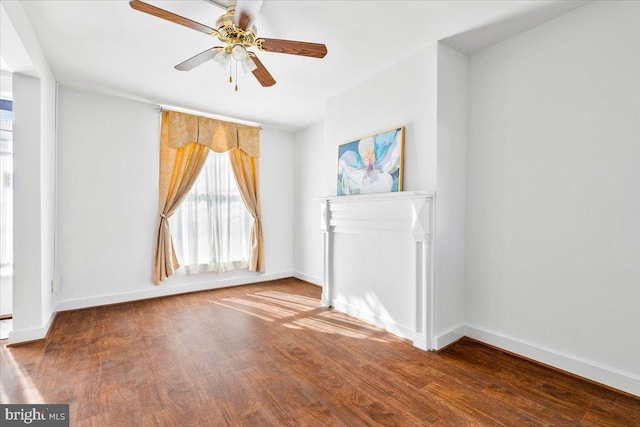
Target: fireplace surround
(378, 260)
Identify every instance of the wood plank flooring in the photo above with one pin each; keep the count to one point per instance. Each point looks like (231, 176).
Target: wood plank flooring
(268, 355)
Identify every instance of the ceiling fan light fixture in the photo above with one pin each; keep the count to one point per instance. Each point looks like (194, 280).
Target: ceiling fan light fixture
(222, 59)
(248, 65)
(239, 52)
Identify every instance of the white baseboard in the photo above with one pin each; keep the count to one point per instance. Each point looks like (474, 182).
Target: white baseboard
(31, 334)
(386, 324)
(612, 377)
(311, 279)
(449, 336)
(160, 291)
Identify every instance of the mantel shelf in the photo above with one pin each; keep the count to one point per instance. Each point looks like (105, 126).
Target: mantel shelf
(377, 196)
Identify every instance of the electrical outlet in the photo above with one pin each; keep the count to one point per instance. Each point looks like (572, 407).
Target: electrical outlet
(55, 284)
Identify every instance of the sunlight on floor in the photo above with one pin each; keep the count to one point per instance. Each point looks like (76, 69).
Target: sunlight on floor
(242, 311)
(336, 315)
(273, 310)
(299, 299)
(285, 303)
(30, 392)
(297, 310)
(322, 326)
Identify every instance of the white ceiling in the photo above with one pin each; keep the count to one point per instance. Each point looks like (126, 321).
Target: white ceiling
(108, 47)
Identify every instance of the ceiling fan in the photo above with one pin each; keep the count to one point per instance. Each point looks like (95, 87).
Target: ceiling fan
(237, 31)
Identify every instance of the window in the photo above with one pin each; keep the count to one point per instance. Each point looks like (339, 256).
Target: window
(6, 210)
(211, 228)
(6, 187)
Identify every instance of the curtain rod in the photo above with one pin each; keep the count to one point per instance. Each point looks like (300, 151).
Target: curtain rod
(161, 108)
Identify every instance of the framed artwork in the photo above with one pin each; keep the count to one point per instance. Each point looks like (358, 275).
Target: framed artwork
(372, 164)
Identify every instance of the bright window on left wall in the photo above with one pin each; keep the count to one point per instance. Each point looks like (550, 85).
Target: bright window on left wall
(211, 228)
(6, 210)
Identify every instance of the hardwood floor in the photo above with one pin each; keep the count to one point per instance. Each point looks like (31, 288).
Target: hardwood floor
(267, 354)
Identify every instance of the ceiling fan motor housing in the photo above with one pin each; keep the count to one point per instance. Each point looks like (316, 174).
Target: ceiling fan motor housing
(230, 34)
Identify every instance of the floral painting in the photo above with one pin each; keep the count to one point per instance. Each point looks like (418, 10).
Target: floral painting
(372, 164)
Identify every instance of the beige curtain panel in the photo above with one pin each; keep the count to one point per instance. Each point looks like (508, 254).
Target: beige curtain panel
(245, 169)
(185, 141)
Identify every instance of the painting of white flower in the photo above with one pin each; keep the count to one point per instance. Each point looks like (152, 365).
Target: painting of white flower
(372, 164)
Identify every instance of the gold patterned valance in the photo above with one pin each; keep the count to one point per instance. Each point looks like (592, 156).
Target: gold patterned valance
(181, 129)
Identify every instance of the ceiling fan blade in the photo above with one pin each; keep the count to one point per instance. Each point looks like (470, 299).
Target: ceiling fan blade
(314, 50)
(261, 73)
(161, 13)
(246, 13)
(198, 59)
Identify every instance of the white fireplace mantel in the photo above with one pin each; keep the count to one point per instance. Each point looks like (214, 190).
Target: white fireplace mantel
(399, 218)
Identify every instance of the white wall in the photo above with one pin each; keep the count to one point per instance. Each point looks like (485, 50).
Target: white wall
(553, 194)
(34, 94)
(277, 195)
(34, 190)
(27, 246)
(48, 101)
(402, 95)
(108, 196)
(312, 178)
(450, 206)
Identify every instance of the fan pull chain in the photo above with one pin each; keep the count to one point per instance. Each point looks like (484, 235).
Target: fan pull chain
(236, 76)
(230, 79)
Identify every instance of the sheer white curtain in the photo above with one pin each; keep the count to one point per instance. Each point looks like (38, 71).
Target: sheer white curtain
(211, 228)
